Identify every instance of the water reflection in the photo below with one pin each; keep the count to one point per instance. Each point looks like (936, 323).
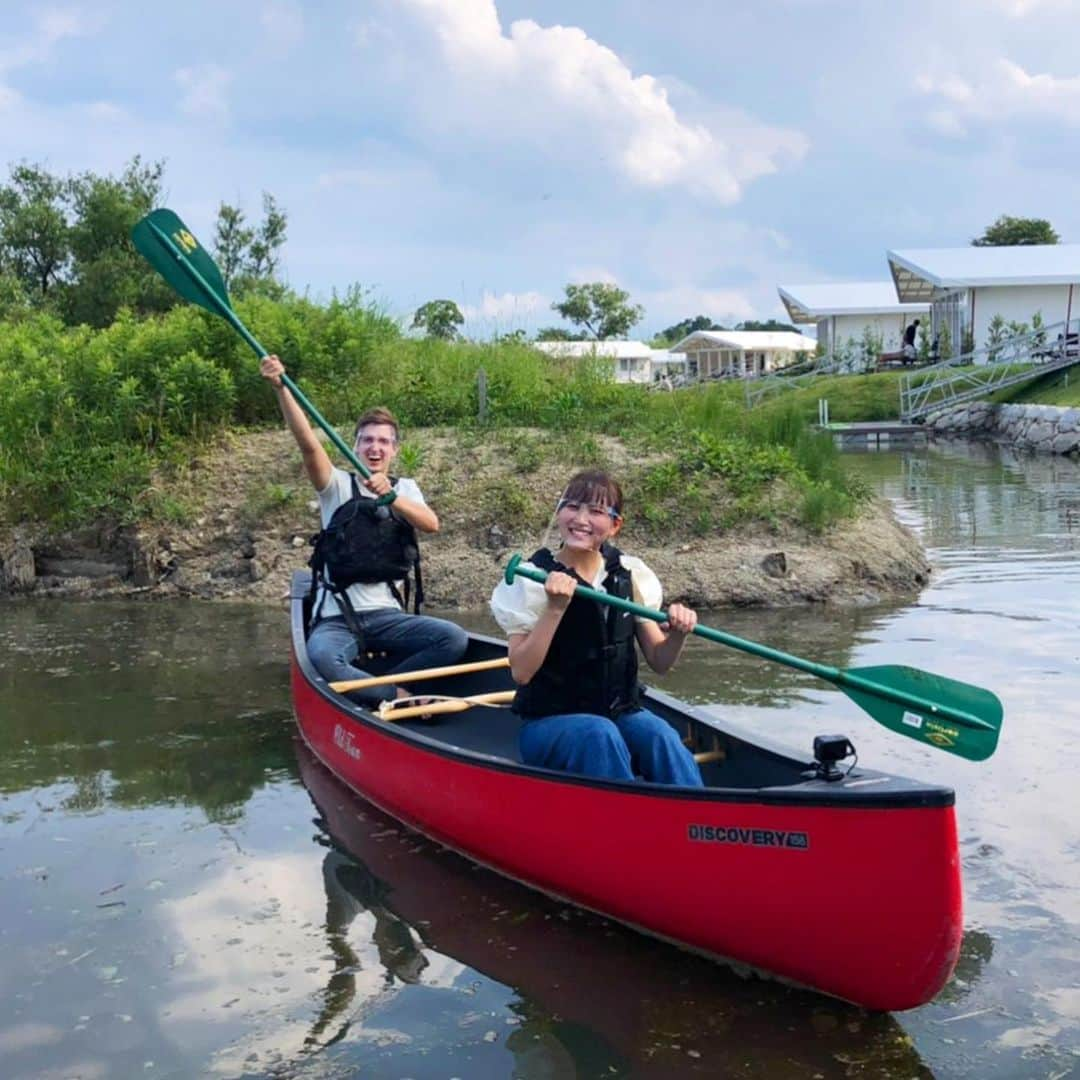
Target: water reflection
(165, 910)
(122, 702)
(592, 998)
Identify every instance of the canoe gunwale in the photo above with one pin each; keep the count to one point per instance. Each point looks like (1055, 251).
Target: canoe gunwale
(806, 794)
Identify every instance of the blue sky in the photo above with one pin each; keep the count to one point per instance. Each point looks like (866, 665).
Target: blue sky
(489, 151)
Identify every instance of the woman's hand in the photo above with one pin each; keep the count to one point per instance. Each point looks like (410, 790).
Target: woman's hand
(272, 368)
(527, 651)
(560, 590)
(680, 620)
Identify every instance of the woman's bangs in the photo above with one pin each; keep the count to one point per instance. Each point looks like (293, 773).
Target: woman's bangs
(595, 489)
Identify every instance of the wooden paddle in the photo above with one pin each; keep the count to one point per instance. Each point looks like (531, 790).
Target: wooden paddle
(427, 673)
(953, 716)
(169, 246)
(388, 711)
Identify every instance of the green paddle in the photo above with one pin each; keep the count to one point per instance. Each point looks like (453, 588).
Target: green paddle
(169, 246)
(953, 716)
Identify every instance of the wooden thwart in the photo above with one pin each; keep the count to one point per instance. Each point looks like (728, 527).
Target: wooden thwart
(708, 756)
(427, 673)
(387, 711)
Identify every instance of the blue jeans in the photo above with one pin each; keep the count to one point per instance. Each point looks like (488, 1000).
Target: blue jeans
(413, 642)
(634, 743)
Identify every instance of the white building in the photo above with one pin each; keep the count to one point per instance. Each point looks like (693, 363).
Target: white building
(846, 314)
(715, 354)
(666, 363)
(967, 286)
(631, 361)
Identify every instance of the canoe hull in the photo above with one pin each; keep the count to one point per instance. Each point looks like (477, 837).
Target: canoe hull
(859, 902)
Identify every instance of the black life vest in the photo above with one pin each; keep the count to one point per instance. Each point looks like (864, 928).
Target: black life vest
(365, 543)
(591, 665)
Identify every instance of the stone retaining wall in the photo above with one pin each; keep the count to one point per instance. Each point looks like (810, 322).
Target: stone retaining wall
(1044, 428)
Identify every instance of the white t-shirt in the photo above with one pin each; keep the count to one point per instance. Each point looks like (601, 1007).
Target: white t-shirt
(518, 607)
(338, 491)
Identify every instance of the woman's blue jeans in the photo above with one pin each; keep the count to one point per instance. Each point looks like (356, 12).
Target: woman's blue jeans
(636, 743)
(413, 642)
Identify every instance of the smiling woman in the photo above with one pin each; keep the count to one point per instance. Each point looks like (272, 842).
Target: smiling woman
(576, 672)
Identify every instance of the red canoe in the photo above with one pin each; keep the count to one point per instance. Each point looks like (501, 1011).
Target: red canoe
(848, 886)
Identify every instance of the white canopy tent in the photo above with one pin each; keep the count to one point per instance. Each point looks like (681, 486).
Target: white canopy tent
(968, 286)
(714, 354)
(847, 311)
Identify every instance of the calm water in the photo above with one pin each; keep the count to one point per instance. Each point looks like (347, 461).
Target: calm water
(172, 903)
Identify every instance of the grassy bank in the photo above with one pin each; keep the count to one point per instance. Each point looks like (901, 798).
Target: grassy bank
(88, 417)
(877, 396)
(1060, 388)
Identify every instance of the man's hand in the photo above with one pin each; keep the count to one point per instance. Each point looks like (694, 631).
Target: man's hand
(272, 368)
(378, 483)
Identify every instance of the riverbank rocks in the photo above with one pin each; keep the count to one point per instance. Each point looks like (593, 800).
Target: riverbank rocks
(775, 564)
(17, 570)
(1045, 429)
(235, 543)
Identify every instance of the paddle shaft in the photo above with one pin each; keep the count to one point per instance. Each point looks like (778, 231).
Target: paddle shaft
(435, 708)
(426, 673)
(844, 679)
(227, 313)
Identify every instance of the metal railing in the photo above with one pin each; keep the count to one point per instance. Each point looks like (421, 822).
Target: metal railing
(805, 373)
(995, 366)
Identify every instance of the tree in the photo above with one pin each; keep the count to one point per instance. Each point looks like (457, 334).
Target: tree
(249, 256)
(557, 333)
(604, 310)
(13, 298)
(107, 273)
(35, 243)
(679, 330)
(65, 243)
(264, 253)
(438, 319)
(1013, 231)
(512, 337)
(767, 324)
(231, 242)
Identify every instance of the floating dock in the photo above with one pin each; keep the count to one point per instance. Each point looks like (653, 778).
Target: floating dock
(877, 433)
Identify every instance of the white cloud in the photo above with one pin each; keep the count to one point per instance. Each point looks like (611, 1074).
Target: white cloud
(50, 26)
(283, 24)
(56, 24)
(205, 91)
(722, 305)
(1004, 93)
(560, 91)
(582, 275)
(1020, 9)
(506, 307)
(105, 110)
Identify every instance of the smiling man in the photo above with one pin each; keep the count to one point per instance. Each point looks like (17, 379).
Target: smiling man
(364, 554)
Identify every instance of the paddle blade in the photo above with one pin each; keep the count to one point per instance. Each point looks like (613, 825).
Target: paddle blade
(172, 250)
(975, 743)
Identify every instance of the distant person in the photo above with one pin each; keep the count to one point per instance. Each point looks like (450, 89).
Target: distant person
(909, 342)
(365, 611)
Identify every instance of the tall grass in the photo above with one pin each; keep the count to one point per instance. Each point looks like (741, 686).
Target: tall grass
(85, 414)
